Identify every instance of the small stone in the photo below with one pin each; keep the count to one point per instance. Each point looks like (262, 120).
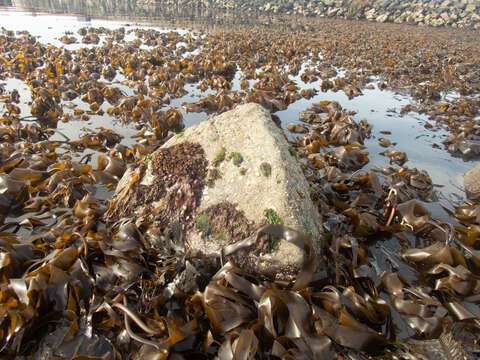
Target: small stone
(291, 127)
(370, 14)
(470, 8)
(382, 18)
(384, 142)
(445, 17)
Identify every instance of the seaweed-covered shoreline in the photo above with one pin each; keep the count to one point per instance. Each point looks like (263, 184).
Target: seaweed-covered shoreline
(398, 281)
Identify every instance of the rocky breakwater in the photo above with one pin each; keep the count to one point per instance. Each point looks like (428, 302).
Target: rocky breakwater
(455, 13)
(227, 189)
(460, 13)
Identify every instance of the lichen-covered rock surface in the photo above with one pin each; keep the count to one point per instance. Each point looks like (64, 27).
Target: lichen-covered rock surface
(222, 180)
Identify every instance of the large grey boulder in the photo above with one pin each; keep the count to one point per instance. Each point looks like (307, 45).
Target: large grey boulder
(471, 182)
(222, 180)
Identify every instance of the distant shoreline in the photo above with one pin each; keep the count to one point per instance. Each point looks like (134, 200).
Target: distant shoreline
(464, 14)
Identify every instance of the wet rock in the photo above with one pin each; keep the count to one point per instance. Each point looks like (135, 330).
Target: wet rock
(370, 14)
(446, 17)
(382, 18)
(332, 11)
(384, 142)
(470, 8)
(235, 204)
(471, 182)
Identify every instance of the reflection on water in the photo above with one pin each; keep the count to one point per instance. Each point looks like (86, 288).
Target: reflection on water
(136, 11)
